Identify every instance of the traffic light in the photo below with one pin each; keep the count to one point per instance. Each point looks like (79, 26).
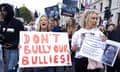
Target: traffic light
(107, 13)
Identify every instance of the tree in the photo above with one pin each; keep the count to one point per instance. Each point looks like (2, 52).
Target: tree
(25, 13)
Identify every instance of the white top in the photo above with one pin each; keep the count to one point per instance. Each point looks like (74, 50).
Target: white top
(79, 35)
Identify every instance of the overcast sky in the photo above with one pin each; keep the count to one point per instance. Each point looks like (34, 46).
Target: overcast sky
(33, 5)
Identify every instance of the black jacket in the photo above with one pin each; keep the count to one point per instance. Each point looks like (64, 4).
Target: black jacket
(115, 34)
(11, 27)
(11, 32)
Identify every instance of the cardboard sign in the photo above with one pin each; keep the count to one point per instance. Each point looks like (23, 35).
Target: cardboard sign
(69, 8)
(43, 49)
(52, 11)
(105, 52)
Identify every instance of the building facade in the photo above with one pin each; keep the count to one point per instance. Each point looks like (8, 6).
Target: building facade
(99, 6)
(114, 5)
(115, 9)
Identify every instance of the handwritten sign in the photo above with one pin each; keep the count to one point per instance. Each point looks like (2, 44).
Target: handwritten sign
(41, 49)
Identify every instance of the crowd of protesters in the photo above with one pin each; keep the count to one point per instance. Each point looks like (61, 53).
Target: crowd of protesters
(9, 35)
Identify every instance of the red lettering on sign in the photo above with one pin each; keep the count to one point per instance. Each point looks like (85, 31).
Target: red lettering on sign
(61, 48)
(25, 60)
(62, 57)
(34, 59)
(56, 37)
(45, 60)
(44, 38)
(56, 59)
(26, 49)
(50, 59)
(36, 38)
(68, 59)
(56, 48)
(27, 38)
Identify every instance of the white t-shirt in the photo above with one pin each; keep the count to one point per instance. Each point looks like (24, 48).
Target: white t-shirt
(79, 35)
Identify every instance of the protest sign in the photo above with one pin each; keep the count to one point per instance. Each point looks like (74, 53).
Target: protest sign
(94, 48)
(43, 49)
(52, 11)
(69, 8)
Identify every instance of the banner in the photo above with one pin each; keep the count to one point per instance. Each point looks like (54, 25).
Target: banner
(69, 8)
(52, 11)
(104, 52)
(43, 49)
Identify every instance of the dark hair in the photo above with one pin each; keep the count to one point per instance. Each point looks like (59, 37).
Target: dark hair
(9, 9)
(110, 25)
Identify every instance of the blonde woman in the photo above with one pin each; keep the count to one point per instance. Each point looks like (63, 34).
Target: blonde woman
(43, 26)
(89, 26)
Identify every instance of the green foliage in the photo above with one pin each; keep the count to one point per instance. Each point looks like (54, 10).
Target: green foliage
(26, 14)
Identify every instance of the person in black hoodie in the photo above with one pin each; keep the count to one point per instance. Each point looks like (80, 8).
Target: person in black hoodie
(10, 29)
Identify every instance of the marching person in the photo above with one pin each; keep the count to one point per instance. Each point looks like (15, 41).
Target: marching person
(43, 26)
(10, 30)
(88, 26)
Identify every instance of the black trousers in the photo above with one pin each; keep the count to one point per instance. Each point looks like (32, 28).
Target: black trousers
(81, 65)
(116, 67)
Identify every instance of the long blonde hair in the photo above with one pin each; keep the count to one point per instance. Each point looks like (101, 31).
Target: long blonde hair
(86, 15)
(38, 25)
